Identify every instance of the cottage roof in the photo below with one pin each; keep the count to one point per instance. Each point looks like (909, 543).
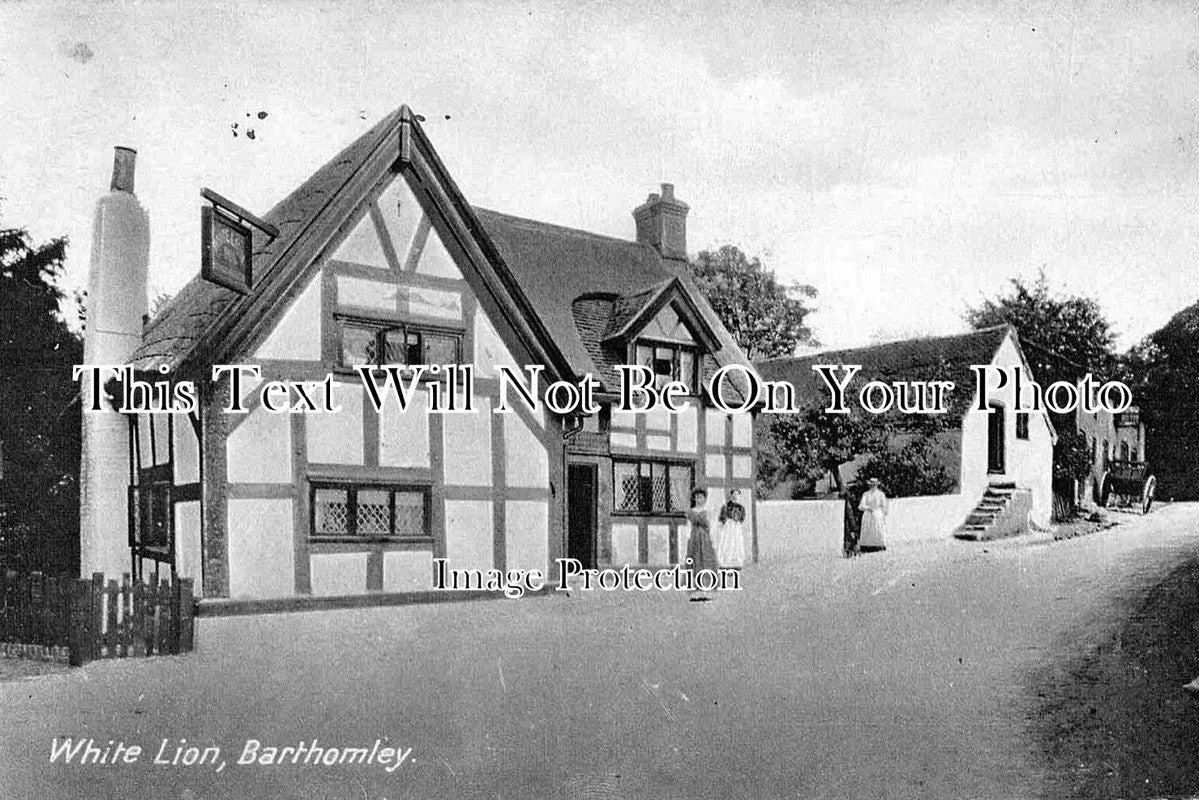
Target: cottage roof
(545, 269)
(926, 359)
(588, 289)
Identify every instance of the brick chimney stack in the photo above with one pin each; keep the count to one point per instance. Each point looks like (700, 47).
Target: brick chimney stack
(662, 223)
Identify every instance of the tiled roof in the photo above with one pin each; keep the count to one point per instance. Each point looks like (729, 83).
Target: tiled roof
(933, 358)
(585, 286)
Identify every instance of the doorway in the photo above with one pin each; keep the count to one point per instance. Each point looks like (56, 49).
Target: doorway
(582, 496)
(995, 440)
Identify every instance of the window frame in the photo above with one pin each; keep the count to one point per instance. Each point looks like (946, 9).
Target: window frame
(666, 463)
(382, 327)
(150, 493)
(692, 381)
(1022, 425)
(352, 488)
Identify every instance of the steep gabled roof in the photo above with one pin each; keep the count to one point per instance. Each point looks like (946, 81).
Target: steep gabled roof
(933, 358)
(180, 332)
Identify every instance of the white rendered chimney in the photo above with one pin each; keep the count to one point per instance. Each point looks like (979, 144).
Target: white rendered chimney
(116, 306)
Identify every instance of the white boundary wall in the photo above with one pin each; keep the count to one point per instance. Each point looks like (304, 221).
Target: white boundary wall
(790, 527)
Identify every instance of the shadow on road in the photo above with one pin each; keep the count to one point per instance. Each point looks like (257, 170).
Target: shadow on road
(1111, 717)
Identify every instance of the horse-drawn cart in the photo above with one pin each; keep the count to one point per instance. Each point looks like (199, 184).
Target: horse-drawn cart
(1127, 484)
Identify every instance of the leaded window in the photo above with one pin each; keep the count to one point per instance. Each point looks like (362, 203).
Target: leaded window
(651, 487)
(364, 342)
(363, 511)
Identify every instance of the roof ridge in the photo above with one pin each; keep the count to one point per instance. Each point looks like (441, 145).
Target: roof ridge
(562, 228)
(862, 348)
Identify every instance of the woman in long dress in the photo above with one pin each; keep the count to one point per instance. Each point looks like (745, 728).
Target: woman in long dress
(700, 553)
(732, 532)
(874, 519)
(852, 525)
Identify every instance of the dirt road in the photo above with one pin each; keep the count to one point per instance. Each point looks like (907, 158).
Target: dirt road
(907, 674)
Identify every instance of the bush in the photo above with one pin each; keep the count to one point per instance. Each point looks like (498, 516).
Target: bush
(913, 470)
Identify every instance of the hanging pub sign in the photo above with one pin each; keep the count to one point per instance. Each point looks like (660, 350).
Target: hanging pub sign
(226, 237)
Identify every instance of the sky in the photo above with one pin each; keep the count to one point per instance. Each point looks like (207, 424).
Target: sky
(905, 158)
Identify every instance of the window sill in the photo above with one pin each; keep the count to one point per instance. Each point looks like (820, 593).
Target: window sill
(643, 514)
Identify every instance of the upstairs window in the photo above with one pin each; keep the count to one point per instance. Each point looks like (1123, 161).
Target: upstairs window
(1022, 425)
(364, 342)
(669, 362)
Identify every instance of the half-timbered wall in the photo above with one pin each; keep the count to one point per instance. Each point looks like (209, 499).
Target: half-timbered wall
(487, 476)
(718, 446)
(164, 450)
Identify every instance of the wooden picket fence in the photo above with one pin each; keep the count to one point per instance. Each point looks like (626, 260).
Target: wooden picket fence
(85, 620)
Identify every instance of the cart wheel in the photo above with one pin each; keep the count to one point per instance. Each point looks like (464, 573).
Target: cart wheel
(1147, 494)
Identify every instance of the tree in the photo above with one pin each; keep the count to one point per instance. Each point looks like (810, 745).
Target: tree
(803, 448)
(1163, 372)
(40, 423)
(1064, 335)
(913, 469)
(765, 317)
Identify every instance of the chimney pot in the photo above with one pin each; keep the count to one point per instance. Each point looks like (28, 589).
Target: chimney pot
(668, 191)
(124, 160)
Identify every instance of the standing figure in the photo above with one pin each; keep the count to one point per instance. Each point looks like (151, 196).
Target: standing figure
(700, 553)
(732, 531)
(874, 519)
(853, 525)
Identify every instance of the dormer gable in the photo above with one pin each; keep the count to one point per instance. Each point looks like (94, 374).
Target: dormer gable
(665, 312)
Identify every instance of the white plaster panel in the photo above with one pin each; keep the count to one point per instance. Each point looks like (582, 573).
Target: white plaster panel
(408, 571)
(658, 419)
(144, 443)
(624, 545)
(623, 439)
(624, 419)
(657, 442)
(743, 429)
(688, 420)
(187, 451)
(404, 435)
(338, 573)
(467, 452)
(435, 260)
(337, 438)
(659, 544)
(362, 246)
(261, 548)
(401, 212)
(187, 541)
(715, 422)
(354, 291)
(490, 350)
(259, 449)
(297, 337)
(469, 537)
(162, 437)
(714, 466)
(742, 466)
(526, 462)
(527, 534)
